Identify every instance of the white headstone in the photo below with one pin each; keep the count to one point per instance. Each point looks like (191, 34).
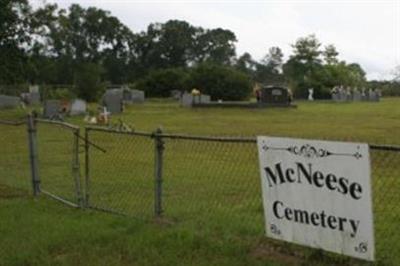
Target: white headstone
(78, 107)
(310, 94)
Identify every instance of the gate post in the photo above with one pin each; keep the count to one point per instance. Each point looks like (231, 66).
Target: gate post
(158, 166)
(76, 167)
(33, 154)
(87, 167)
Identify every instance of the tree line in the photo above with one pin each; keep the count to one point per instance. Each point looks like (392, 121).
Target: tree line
(89, 48)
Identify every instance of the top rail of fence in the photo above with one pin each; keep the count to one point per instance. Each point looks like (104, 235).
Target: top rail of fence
(12, 123)
(59, 123)
(393, 148)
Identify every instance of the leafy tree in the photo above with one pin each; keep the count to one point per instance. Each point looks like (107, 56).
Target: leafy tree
(160, 83)
(14, 35)
(246, 64)
(87, 81)
(330, 55)
(304, 68)
(220, 82)
(269, 70)
(215, 46)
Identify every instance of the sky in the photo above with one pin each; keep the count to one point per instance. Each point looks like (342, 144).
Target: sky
(364, 31)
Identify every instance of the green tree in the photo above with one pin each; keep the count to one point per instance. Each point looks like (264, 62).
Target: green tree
(215, 46)
(220, 82)
(246, 64)
(14, 36)
(160, 83)
(330, 54)
(270, 68)
(88, 81)
(304, 68)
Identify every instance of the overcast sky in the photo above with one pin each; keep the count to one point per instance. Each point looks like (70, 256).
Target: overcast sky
(366, 32)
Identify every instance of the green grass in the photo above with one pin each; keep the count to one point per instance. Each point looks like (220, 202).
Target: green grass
(212, 200)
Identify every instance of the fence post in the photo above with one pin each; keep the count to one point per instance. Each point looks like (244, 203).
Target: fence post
(33, 154)
(159, 148)
(86, 167)
(75, 167)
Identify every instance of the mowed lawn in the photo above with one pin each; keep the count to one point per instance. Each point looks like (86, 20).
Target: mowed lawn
(212, 202)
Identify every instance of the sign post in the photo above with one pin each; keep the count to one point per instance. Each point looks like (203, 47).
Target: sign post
(318, 194)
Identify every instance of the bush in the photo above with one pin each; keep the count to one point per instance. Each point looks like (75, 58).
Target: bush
(220, 82)
(87, 81)
(160, 83)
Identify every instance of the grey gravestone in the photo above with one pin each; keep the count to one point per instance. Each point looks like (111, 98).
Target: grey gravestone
(188, 99)
(363, 95)
(204, 98)
(349, 96)
(137, 96)
(335, 93)
(9, 101)
(78, 107)
(126, 95)
(371, 95)
(34, 89)
(274, 95)
(51, 108)
(378, 95)
(357, 95)
(342, 95)
(113, 100)
(34, 95)
(34, 98)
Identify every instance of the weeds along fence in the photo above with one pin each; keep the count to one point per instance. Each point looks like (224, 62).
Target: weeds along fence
(207, 183)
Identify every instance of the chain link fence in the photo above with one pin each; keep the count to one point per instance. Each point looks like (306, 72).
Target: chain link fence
(59, 161)
(14, 163)
(213, 183)
(207, 183)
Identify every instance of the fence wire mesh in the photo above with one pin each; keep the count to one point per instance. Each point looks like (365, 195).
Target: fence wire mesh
(57, 151)
(386, 202)
(14, 159)
(121, 177)
(212, 184)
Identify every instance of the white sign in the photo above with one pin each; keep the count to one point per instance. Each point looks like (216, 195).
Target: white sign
(318, 194)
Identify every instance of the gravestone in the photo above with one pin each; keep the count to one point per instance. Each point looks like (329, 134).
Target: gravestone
(335, 94)
(371, 95)
(378, 95)
(127, 95)
(310, 94)
(349, 96)
(357, 95)
(9, 101)
(34, 95)
(78, 107)
(132, 96)
(363, 95)
(51, 108)
(113, 100)
(274, 95)
(189, 99)
(137, 96)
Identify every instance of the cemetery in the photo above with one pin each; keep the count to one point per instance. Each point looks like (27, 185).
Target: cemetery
(130, 136)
